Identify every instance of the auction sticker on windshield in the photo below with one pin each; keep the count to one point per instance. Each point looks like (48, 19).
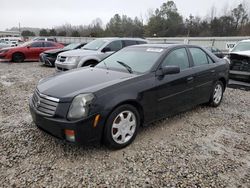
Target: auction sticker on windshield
(155, 50)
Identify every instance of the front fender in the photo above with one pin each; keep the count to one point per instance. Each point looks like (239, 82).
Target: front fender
(88, 58)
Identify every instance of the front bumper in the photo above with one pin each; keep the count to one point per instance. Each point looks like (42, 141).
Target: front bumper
(64, 66)
(240, 75)
(84, 130)
(47, 60)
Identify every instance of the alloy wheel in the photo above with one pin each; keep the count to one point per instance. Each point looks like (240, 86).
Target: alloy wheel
(123, 127)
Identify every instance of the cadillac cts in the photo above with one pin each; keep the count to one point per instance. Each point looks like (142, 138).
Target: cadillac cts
(131, 88)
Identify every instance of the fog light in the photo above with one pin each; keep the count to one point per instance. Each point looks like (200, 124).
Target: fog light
(70, 135)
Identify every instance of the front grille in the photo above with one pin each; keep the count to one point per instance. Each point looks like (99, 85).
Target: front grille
(61, 58)
(240, 65)
(44, 104)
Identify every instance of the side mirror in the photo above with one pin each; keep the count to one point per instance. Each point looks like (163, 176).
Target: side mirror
(28, 47)
(106, 49)
(170, 70)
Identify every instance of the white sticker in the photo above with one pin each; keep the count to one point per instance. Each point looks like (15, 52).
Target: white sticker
(158, 50)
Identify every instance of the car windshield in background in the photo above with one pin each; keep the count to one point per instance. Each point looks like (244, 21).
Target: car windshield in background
(25, 44)
(71, 46)
(94, 45)
(242, 46)
(132, 60)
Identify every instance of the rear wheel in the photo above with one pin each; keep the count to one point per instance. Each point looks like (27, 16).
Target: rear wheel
(18, 57)
(217, 94)
(121, 127)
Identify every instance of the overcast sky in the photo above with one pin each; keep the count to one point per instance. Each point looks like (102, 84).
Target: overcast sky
(50, 13)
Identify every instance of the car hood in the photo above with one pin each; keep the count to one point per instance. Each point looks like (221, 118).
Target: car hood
(67, 85)
(78, 52)
(242, 53)
(55, 51)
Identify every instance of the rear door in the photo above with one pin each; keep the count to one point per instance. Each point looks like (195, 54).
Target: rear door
(204, 73)
(49, 46)
(34, 50)
(174, 91)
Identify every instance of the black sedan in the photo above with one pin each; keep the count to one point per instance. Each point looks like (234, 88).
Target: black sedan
(131, 88)
(49, 57)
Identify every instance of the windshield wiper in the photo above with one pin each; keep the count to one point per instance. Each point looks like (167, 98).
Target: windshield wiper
(129, 69)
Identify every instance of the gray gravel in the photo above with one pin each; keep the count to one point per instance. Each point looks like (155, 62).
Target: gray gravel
(205, 147)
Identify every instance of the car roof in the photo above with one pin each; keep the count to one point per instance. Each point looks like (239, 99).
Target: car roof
(165, 46)
(121, 38)
(247, 40)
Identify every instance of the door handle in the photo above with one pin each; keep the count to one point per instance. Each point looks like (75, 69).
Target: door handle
(190, 79)
(212, 71)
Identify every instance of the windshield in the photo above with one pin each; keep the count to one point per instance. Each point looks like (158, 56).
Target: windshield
(71, 46)
(242, 46)
(26, 44)
(132, 60)
(94, 45)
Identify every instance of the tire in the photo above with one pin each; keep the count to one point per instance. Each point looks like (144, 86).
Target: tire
(121, 127)
(18, 57)
(217, 94)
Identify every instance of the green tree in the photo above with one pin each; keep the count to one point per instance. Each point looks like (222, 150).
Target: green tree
(43, 32)
(75, 33)
(166, 21)
(52, 32)
(27, 33)
(240, 16)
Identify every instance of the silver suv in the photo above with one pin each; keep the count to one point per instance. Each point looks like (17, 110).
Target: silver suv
(93, 52)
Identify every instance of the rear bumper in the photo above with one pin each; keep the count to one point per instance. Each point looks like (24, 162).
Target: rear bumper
(85, 132)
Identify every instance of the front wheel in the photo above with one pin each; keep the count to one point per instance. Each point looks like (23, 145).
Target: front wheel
(121, 127)
(18, 57)
(217, 94)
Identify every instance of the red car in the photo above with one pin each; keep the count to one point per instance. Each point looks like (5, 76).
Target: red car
(28, 51)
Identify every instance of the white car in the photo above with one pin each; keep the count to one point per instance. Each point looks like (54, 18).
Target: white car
(93, 52)
(239, 59)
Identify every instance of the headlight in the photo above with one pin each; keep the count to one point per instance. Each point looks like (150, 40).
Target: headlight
(72, 59)
(227, 58)
(80, 106)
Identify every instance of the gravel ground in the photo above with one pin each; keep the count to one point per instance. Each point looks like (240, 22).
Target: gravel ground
(205, 147)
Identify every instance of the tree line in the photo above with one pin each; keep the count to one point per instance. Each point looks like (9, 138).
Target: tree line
(164, 21)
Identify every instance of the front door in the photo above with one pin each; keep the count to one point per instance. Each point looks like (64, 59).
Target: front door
(174, 92)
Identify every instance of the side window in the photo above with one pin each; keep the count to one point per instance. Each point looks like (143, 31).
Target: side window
(177, 57)
(141, 42)
(49, 44)
(37, 45)
(129, 43)
(199, 56)
(115, 45)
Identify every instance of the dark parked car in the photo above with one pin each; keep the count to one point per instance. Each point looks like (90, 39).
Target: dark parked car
(49, 57)
(133, 87)
(215, 51)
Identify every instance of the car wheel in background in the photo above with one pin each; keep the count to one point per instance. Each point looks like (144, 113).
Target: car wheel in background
(90, 63)
(217, 94)
(121, 127)
(18, 57)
